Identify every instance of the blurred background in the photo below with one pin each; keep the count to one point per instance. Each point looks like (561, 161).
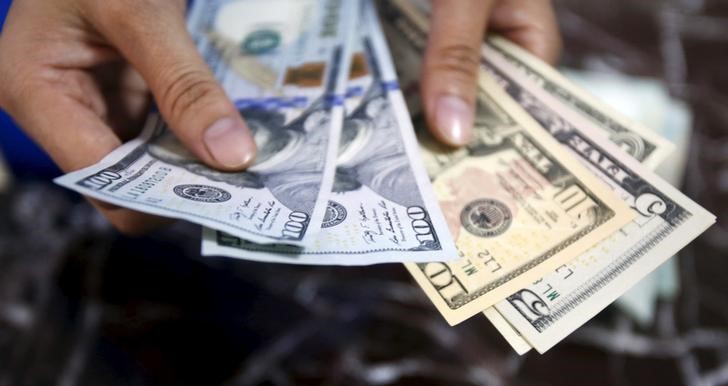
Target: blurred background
(82, 305)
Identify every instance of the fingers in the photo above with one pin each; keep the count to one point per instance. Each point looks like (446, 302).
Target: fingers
(75, 137)
(126, 98)
(57, 105)
(72, 133)
(530, 24)
(450, 68)
(152, 35)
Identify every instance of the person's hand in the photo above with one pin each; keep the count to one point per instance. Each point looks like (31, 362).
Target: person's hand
(75, 74)
(450, 70)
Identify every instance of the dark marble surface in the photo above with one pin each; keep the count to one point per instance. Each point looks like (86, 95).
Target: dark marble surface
(81, 305)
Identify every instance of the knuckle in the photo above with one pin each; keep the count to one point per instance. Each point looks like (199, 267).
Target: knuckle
(186, 90)
(455, 60)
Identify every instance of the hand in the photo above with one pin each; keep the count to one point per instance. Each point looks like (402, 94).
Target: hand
(75, 74)
(450, 70)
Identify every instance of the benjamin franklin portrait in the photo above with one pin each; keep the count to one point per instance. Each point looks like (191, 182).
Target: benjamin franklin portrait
(284, 163)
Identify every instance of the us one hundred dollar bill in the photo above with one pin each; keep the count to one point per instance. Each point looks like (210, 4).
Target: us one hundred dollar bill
(382, 208)
(283, 71)
(517, 205)
(549, 309)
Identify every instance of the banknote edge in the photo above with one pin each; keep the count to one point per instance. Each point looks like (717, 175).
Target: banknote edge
(663, 149)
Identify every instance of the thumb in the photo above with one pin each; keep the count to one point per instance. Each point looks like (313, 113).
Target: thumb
(153, 37)
(450, 69)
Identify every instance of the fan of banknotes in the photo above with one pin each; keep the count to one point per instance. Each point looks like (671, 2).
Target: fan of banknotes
(543, 220)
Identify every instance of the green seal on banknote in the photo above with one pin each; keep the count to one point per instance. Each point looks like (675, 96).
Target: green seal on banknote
(261, 41)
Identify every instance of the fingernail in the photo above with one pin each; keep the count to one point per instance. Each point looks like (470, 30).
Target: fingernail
(454, 119)
(229, 143)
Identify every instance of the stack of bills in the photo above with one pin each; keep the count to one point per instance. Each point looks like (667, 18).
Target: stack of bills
(517, 91)
(338, 178)
(545, 218)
